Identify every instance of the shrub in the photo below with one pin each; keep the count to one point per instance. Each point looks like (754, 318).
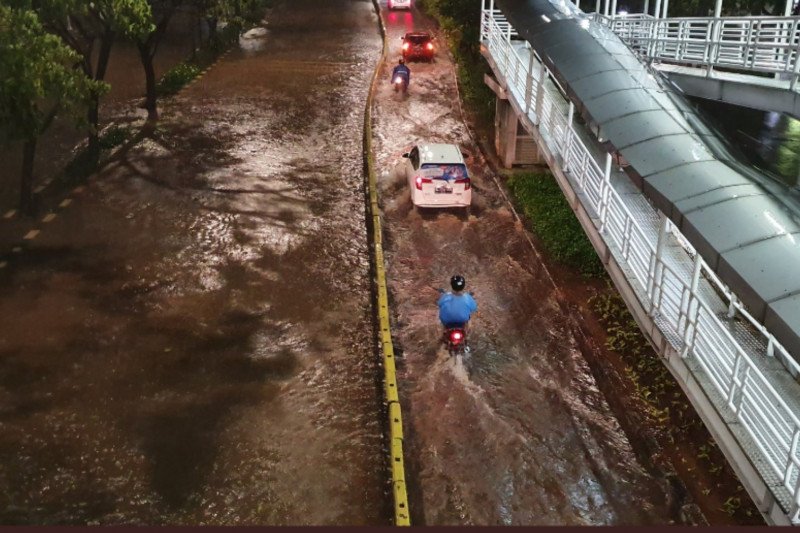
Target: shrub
(552, 219)
(176, 78)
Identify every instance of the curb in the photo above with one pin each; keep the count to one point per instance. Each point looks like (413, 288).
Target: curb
(401, 509)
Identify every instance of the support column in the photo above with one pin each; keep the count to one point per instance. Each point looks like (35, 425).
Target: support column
(666, 9)
(646, 9)
(597, 6)
(718, 9)
(613, 8)
(505, 136)
(658, 9)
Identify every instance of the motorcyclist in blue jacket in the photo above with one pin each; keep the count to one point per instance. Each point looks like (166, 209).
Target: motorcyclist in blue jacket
(456, 308)
(402, 70)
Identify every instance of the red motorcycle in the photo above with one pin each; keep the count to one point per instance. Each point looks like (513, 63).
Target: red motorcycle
(456, 340)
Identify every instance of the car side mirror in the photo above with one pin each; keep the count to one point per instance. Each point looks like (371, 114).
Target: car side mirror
(405, 154)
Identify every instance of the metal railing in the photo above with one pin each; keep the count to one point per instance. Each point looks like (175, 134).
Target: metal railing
(766, 45)
(673, 296)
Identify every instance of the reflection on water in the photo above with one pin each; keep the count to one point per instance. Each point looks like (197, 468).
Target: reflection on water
(769, 140)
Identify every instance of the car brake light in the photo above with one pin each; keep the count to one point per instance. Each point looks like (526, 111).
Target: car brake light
(420, 180)
(405, 46)
(466, 182)
(429, 46)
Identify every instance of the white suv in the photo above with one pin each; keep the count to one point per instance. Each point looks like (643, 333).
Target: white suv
(399, 4)
(437, 176)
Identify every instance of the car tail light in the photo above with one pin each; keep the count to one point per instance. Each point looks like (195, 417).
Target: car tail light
(466, 182)
(456, 337)
(405, 46)
(429, 46)
(420, 180)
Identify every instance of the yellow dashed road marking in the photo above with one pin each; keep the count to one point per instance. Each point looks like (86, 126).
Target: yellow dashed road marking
(79, 189)
(38, 189)
(31, 234)
(10, 214)
(3, 264)
(16, 249)
(65, 202)
(49, 217)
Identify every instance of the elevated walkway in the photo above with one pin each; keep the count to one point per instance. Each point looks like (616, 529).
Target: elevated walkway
(747, 61)
(741, 381)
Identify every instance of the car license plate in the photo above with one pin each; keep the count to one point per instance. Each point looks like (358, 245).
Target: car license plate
(443, 190)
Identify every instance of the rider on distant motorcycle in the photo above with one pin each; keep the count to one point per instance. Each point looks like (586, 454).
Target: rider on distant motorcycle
(456, 308)
(403, 71)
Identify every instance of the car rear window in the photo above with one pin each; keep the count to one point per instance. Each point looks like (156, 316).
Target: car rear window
(445, 171)
(418, 39)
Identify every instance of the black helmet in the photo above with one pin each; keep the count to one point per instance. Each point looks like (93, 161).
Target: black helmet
(401, 62)
(458, 283)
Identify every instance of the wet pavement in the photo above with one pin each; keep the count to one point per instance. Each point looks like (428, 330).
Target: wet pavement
(191, 340)
(518, 432)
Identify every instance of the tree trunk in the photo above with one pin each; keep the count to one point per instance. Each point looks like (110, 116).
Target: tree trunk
(26, 183)
(106, 42)
(93, 114)
(212, 29)
(150, 102)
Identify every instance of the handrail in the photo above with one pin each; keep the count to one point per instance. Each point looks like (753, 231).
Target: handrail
(762, 44)
(688, 320)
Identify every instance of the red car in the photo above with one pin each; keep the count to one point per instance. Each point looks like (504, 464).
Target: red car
(418, 44)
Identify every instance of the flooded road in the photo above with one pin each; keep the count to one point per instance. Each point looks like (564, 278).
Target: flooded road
(520, 432)
(190, 341)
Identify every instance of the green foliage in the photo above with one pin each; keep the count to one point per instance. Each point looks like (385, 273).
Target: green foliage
(78, 22)
(39, 78)
(113, 137)
(176, 78)
(554, 222)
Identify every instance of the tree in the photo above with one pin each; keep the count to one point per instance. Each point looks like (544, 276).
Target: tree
(83, 25)
(235, 12)
(162, 12)
(39, 81)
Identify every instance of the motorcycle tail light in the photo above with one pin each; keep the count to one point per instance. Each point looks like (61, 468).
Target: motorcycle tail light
(420, 180)
(398, 79)
(456, 337)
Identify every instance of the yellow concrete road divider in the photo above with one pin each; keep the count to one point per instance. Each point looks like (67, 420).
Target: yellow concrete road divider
(402, 515)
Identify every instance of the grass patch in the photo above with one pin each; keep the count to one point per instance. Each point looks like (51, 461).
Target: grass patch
(177, 77)
(553, 221)
(113, 137)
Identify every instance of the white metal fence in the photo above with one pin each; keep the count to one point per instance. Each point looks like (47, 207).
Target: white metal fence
(746, 44)
(672, 295)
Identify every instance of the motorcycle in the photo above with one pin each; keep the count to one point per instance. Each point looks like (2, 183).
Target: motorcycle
(456, 341)
(400, 83)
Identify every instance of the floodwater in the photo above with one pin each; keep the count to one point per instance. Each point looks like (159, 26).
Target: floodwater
(518, 432)
(191, 340)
